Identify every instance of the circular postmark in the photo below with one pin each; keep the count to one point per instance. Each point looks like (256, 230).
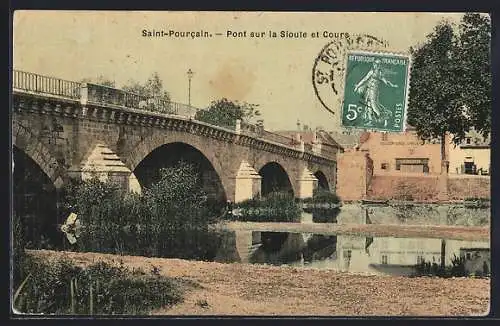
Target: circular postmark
(329, 72)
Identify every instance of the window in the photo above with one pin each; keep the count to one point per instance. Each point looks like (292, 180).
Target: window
(420, 259)
(384, 259)
(412, 164)
(469, 168)
(347, 254)
(384, 166)
(385, 136)
(468, 256)
(467, 140)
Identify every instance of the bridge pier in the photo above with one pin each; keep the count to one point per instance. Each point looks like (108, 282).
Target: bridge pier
(104, 164)
(307, 184)
(247, 183)
(236, 246)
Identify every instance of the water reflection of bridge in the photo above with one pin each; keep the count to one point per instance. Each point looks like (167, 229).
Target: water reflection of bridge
(374, 230)
(339, 248)
(352, 244)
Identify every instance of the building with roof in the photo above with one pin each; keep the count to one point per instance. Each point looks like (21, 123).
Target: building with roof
(472, 156)
(320, 141)
(402, 152)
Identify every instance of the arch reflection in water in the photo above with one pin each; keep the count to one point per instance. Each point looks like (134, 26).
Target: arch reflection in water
(391, 256)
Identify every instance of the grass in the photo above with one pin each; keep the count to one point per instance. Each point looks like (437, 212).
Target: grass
(60, 287)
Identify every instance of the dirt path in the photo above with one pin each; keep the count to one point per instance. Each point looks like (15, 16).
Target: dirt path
(377, 230)
(241, 289)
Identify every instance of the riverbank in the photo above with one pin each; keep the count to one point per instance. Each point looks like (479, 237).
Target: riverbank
(251, 290)
(467, 233)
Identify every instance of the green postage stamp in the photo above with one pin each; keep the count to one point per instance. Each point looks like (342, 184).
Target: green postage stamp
(376, 91)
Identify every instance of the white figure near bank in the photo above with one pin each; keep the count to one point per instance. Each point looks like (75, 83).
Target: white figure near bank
(368, 88)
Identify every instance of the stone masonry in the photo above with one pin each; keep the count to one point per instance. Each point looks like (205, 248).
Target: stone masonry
(62, 136)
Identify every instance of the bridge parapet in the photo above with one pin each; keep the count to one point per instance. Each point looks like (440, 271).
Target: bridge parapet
(258, 131)
(34, 83)
(109, 96)
(112, 105)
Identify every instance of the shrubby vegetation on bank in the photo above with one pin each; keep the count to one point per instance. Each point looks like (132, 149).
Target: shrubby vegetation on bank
(170, 219)
(274, 207)
(281, 206)
(457, 269)
(323, 205)
(60, 287)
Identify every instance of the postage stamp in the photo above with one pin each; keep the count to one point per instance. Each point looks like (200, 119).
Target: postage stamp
(376, 91)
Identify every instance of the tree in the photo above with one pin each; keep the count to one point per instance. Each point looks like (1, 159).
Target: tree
(100, 80)
(224, 113)
(433, 107)
(474, 54)
(152, 90)
(450, 87)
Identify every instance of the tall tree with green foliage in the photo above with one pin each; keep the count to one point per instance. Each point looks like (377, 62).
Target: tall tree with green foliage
(474, 45)
(450, 87)
(153, 90)
(153, 87)
(224, 113)
(100, 80)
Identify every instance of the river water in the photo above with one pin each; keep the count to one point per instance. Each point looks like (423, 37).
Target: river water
(375, 255)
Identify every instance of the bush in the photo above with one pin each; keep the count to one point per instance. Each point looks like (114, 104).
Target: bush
(274, 207)
(323, 196)
(457, 268)
(324, 206)
(59, 287)
(170, 219)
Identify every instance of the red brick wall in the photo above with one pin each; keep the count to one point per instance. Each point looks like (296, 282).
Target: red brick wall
(398, 187)
(426, 188)
(353, 173)
(474, 186)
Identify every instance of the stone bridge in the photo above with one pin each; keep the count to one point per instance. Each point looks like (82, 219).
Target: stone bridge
(72, 129)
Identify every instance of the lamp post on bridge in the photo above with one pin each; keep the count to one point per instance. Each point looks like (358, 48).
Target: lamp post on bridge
(190, 74)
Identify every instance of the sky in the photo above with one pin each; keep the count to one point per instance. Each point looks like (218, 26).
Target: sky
(272, 72)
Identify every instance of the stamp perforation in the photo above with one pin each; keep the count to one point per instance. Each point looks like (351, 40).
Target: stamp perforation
(338, 51)
(385, 51)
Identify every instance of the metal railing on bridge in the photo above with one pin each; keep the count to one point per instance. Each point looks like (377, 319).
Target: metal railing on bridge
(258, 131)
(113, 96)
(104, 95)
(35, 83)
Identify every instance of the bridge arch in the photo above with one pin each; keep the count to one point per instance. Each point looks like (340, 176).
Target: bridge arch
(275, 178)
(171, 153)
(25, 140)
(322, 180)
(35, 203)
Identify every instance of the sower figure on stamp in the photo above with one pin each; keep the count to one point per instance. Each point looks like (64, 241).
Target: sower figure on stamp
(368, 87)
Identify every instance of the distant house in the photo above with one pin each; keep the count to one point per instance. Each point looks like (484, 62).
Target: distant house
(319, 141)
(406, 152)
(472, 156)
(401, 152)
